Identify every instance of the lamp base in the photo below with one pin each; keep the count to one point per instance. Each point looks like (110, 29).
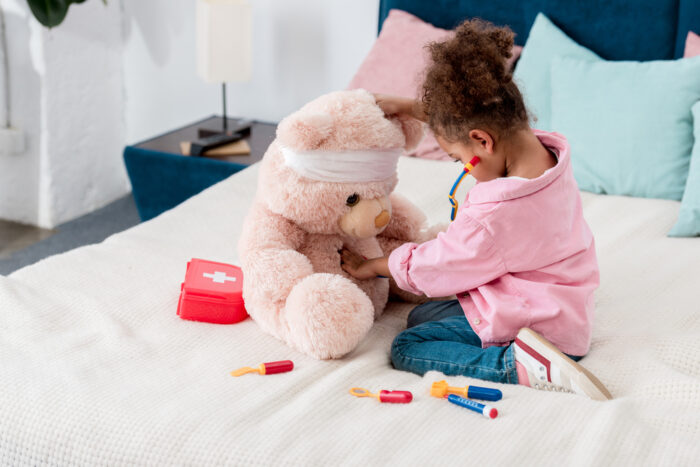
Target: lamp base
(238, 125)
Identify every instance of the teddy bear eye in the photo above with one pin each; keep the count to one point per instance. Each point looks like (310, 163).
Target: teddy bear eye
(353, 199)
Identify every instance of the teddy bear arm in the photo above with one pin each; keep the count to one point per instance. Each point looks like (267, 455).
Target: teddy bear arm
(272, 273)
(267, 229)
(269, 255)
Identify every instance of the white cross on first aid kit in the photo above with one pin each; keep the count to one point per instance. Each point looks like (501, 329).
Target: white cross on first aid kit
(219, 277)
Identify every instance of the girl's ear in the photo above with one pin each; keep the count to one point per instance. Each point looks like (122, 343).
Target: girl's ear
(483, 139)
(412, 130)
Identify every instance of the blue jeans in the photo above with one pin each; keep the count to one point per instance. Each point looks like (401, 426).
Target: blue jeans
(440, 338)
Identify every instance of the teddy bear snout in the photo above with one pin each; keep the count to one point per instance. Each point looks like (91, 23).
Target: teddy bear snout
(382, 219)
(367, 218)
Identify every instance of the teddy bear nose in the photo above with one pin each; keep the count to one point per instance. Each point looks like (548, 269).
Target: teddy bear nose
(382, 219)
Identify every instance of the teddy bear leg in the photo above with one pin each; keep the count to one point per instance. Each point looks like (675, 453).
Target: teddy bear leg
(327, 315)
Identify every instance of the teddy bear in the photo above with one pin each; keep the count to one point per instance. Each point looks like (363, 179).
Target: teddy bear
(325, 183)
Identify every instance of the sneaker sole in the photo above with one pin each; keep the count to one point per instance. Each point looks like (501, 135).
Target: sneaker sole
(586, 380)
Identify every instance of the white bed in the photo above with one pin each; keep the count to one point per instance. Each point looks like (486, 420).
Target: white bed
(97, 369)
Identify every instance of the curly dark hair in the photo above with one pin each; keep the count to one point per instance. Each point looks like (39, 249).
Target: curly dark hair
(468, 85)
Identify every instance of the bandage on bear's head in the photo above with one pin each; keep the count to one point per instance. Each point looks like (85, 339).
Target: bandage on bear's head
(335, 148)
(343, 166)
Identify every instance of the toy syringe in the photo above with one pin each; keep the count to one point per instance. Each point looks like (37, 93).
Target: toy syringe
(485, 410)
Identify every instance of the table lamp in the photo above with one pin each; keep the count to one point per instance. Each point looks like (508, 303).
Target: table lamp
(224, 52)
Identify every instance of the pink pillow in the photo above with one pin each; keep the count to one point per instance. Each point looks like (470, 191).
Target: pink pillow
(396, 63)
(692, 45)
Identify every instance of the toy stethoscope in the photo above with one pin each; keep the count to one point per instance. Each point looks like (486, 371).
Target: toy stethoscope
(467, 168)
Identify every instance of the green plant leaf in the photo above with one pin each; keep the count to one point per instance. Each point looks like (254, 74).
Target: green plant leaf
(51, 13)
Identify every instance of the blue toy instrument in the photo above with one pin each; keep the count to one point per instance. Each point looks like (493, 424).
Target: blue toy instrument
(485, 410)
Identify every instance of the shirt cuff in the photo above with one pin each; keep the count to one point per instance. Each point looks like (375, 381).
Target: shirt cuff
(398, 266)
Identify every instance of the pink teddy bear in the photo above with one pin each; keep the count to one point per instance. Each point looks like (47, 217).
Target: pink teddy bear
(324, 184)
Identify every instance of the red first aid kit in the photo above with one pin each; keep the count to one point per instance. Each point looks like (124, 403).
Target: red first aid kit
(212, 292)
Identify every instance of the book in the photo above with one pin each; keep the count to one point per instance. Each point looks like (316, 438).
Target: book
(237, 148)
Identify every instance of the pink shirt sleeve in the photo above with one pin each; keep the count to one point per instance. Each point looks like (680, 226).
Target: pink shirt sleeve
(460, 259)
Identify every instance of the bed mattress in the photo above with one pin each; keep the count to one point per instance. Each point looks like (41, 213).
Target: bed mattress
(97, 369)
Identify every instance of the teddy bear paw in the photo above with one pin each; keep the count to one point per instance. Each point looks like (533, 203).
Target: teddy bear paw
(327, 315)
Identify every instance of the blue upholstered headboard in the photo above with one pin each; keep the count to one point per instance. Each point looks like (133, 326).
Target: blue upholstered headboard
(614, 29)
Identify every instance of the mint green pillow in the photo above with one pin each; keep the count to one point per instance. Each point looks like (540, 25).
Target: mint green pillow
(629, 124)
(688, 223)
(545, 42)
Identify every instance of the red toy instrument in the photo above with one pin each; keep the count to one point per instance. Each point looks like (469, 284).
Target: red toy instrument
(396, 397)
(268, 368)
(212, 292)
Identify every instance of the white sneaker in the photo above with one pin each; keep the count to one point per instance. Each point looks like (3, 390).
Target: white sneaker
(543, 366)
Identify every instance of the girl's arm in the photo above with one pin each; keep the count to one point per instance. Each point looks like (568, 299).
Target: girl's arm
(396, 105)
(458, 260)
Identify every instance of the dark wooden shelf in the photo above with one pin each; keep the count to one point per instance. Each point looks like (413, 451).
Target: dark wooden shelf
(261, 135)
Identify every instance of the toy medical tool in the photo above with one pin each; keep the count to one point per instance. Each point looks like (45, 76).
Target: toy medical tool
(485, 410)
(441, 389)
(397, 397)
(268, 368)
(467, 168)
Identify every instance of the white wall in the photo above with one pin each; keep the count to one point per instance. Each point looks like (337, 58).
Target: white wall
(67, 96)
(301, 49)
(19, 174)
(117, 74)
(83, 98)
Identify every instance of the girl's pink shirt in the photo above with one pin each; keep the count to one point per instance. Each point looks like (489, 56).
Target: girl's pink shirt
(518, 254)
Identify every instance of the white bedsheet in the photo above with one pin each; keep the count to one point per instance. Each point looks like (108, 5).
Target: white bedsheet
(97, 369)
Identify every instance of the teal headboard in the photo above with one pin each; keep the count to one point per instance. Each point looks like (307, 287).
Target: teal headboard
(614, 29)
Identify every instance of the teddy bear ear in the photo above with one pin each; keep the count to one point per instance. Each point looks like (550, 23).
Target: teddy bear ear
(307, 131)
(412, 130)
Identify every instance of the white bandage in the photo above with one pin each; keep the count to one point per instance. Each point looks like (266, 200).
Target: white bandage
(343, 166)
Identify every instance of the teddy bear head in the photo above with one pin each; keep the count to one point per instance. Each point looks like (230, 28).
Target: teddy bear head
(333, 164)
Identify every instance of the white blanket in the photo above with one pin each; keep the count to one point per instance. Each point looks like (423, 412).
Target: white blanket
(97, 369)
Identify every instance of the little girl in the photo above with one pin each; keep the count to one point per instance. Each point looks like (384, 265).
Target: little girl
(519, 255)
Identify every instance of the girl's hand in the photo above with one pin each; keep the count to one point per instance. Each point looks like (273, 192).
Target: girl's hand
(400, 106)
(356, 265)
(361, 268)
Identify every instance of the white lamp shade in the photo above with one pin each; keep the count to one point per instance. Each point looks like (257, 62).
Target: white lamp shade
(224, 40)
